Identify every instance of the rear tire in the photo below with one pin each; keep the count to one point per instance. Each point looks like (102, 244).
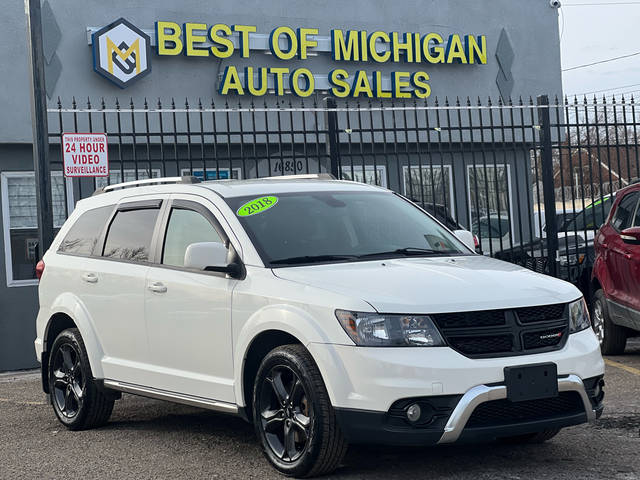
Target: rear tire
(293, 416)
(613, 338)
(76, 399)
(532, 438)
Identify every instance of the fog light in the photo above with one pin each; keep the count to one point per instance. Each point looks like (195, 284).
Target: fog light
(414, 412)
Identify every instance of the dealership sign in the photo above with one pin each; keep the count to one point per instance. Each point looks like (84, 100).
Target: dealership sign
(85, 155)
(121, 54)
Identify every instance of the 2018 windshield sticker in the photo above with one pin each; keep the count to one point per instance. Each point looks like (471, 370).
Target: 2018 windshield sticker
(259, 205)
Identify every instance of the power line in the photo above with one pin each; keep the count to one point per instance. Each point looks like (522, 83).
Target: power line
(601, 61)
(598, 4)
(605, 90)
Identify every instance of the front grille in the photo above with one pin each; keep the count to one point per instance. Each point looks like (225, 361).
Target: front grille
(540, 314)
(480, 345)
(494, 333)
(506, 412)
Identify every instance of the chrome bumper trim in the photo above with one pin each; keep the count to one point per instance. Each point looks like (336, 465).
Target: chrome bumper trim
(483, 393)
(158, 394)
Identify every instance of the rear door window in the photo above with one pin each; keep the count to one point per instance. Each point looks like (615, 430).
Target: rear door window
(83, 235)
(130, 235)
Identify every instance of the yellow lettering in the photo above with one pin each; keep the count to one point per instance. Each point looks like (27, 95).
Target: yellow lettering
(244, 30)
(361, 85)
(373, 48)
(294, 81)
(342, 88)
(279, 73)
(345, 50)
(274, 43)
(476, 49)
(433, 54)
(405, 47)
(231, 81)
(191, 39)
(227, 45)
(400, 80)
(249, 81)
(422, 89)
(455, 50)
(364, 54)
(377, 85)
(168, 32)
(305, 42)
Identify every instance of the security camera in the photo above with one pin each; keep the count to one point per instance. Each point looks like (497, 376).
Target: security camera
(555, 3)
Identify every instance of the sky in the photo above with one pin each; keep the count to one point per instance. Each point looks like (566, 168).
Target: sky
(600, 30)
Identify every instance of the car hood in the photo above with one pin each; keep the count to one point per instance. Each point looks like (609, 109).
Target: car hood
(435, 285)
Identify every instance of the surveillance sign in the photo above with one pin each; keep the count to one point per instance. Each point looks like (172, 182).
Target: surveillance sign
(85, 155)
(121, 52)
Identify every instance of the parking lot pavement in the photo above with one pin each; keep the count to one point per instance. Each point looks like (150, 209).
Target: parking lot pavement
(153, 439)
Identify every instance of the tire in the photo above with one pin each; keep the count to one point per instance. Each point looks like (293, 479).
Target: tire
(76, 399)
(613, 338)
(536, 437)
(290, 401)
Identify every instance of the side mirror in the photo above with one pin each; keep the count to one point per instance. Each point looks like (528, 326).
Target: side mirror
(466, 237)
(631, 236)
(210, 257)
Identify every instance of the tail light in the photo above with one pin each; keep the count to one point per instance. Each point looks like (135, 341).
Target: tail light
(476, 242)
(39, 269)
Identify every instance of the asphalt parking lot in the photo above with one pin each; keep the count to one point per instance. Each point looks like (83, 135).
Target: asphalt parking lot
(153, 439)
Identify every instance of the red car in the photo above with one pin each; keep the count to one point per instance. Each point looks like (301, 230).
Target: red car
(616, 273)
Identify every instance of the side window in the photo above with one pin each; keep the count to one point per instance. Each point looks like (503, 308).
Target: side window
(623, 216)
(83, 235)
(130, 234)
(184, 228)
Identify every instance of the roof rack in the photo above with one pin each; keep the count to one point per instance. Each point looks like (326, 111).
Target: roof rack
(149, 181)
(307, 176)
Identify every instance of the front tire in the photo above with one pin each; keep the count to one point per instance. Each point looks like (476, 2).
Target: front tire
(76, 399)
(293, 416)
(613, 338)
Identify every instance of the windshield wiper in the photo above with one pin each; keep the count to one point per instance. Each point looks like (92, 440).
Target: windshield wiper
(312, 259)
(410, 251)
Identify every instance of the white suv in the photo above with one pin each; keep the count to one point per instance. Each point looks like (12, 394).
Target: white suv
(325, 312)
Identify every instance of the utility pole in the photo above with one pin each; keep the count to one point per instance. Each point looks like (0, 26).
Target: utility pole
(40, 125)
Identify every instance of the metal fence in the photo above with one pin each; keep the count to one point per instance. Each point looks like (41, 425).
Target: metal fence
(531, 179)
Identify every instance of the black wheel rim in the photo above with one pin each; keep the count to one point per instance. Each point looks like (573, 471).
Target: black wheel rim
(286, 414)
(68, 381)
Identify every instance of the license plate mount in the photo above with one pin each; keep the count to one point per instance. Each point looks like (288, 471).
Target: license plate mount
(531, 382)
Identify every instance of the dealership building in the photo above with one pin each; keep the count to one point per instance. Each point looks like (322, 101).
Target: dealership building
(269, 53)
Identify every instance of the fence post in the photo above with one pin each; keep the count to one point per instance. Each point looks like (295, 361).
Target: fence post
(333, 136)
(39, 126)
(548, 183)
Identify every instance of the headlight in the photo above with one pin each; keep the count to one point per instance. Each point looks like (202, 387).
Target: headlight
(376, 330)
(578, 316)
(571, 260)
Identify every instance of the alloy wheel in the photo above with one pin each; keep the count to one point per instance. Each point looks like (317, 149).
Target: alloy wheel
(598, 320)
(286, 414)
(68, 381)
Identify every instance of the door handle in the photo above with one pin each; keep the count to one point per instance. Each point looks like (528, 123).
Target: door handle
(158, 287)
(90, 278)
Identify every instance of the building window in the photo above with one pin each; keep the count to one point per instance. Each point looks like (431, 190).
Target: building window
(115, 176)
(490, 203)
(429, 184)
(20, 221)
(367, 175)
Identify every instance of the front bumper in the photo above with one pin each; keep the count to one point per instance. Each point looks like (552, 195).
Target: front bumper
(458, 418)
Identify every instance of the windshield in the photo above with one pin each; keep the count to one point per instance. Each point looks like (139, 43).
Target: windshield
(491, 228)
(314, 227)
(591, 218)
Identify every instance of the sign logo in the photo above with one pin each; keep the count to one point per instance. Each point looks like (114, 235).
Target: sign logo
(121, 52)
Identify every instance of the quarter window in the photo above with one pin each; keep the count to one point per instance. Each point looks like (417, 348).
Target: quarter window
(83, 235)
(130, 235)
(186, 227)
(623, 216)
